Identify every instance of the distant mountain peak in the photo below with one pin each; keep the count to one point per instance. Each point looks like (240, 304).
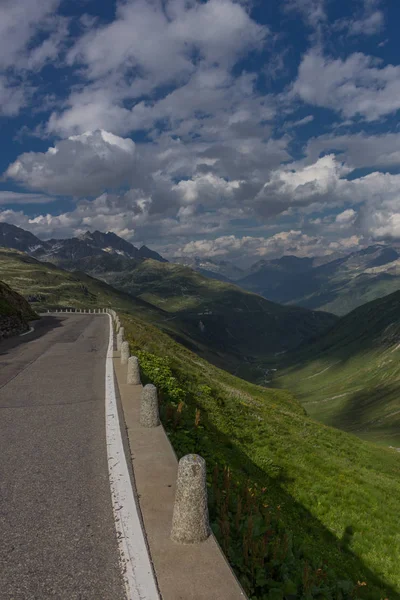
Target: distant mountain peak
(89, 243)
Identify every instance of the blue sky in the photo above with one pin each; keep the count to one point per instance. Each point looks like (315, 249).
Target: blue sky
(224, 129)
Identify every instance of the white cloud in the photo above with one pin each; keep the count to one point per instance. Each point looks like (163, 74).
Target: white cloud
(355, 86)
(161, 41)
(23, 198)
(31, 34)
(359, 149)
(207, 189)
(20, 21)
(370, 20)
(346, 217)
(190, 46)
(247, 248)
(301, 122)
(78, 166)
(300, 186)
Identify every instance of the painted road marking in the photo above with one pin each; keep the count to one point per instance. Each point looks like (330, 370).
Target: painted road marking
(135, 561)
(26, 332)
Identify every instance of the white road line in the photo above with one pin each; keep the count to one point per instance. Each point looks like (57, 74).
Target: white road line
(135, 561)
(26, 332)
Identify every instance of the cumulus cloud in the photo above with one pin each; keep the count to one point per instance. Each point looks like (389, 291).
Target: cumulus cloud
(346, 217)
(80, 165)
(299, 187)
(191, 46)
(247, 248)
(359, 149)
(356, 86)
(161, 40)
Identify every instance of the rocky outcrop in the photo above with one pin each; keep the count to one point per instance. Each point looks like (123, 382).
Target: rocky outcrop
(10, 326)
(15, 312)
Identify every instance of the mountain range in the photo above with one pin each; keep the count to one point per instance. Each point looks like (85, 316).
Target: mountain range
(332, 284)
(336, 283)
(61, 251)
(337, 286)
(238, 327)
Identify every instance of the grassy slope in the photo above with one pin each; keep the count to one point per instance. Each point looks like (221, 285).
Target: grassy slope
(48, 286)
(219, 315)
(323, 479)
(350, 377)
(344, 296)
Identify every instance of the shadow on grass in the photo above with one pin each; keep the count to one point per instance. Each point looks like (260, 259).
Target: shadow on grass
(319, 545)
(361, 408)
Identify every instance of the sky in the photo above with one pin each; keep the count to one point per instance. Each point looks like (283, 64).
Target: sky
(223, 129)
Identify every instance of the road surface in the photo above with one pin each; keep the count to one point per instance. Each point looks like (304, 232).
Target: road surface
(57, 528)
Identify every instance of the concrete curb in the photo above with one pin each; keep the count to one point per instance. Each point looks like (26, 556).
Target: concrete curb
(198, 571)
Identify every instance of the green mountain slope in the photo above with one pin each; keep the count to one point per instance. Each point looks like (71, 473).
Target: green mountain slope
(319, 497)
(220, 315)
(350, 377)
(239, 329)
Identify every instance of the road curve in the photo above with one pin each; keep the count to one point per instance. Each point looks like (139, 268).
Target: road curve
(56, 522)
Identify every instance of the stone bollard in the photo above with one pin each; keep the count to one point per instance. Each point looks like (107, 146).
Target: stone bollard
(190, 523)
(133, 376)
(124, 353)
(120, 339)
(149, 416)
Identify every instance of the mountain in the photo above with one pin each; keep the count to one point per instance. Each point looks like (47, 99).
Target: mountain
(349, 377)
(15, 312)
(222, 270)
(45, 285)
(12, 236)
(337, 286)
(233, 328)
(217, 314)
(241, 327)
(60, 251)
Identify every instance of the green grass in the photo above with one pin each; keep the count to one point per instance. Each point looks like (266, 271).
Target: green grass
(350, 377)
(336, 494)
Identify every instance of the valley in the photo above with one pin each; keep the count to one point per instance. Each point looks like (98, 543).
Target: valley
(350, 377)
(302, 444)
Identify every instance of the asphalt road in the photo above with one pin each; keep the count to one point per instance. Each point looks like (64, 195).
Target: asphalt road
(57, 533)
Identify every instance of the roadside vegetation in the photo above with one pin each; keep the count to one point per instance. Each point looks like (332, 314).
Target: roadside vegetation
(301, 510)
